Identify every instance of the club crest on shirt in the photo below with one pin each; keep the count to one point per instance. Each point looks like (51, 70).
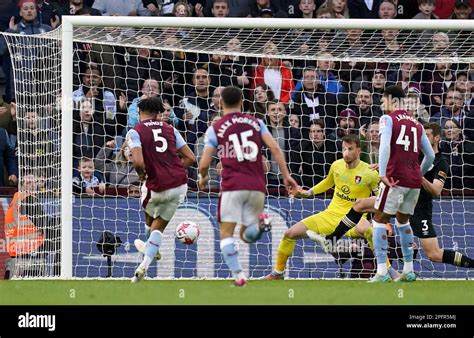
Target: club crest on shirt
(358, 179)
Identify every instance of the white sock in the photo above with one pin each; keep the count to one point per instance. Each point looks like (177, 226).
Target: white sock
(146, 262)
(382, 269)
(407, 267)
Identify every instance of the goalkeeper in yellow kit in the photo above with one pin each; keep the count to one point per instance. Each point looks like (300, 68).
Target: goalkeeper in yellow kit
(352, 179)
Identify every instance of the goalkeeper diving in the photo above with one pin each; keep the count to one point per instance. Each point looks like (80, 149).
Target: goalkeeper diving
(353, 179)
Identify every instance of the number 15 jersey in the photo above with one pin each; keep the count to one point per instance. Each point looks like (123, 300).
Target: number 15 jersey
(238, 140)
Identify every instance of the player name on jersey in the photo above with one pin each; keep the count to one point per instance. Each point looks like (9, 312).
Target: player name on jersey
(235, 120)
(404, 116)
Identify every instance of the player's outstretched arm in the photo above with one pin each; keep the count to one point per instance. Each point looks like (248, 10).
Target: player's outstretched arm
(138, 162)
(384, 154)
(187, 156)
(277, 154)
(434, 188)
(204, 165)
(427, 151)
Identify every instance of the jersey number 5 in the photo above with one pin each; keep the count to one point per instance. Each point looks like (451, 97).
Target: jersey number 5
(248, 150)
(404, 139)
(158, 138)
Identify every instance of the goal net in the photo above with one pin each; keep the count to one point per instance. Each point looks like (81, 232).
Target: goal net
(312, 83)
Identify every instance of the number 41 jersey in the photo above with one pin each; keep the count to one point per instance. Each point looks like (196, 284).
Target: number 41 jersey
(238, 140)
(405, 146)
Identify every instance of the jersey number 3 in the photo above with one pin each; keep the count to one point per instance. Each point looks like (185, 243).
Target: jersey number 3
(161, 139)
(404, 139)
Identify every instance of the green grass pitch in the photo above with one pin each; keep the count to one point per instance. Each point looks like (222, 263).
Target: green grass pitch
(214, 292)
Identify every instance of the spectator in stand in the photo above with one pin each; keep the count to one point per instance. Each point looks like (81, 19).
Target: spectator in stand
(202, 122)
(316, 156)
(261, 95)
(72, 7)
(47, 14)
(324, 13)
(8, 9)
(237, 8)
(197, 99)
(378, 86)
(87, 179)
(8, 160)
(294, 121)
(364, 108)
(159, 7)
(312, 102)
(415, 107)
(349, 42)
(406, 77)
(259, 5)
(219, 9)
(462, 10)
(465, 87)
(363, 9)
(121, 7)
(227, 70)
(338, 8)
(28, 25)
(439, 43)
(426, 8)
(460, 155)
(89, 134)
(8, 117)
(327, 75)
(37, 144)
(181, 9)
(434, 89)
(215, 168)
(390, 44)
(445, 8)
(141, 64)
(347, 123)
(288, 139)
(275, 74)
(370, 142)
(118, 172)
(150, 88)
(106, 109)
(452, 110)
(387, 10)
(307, 9)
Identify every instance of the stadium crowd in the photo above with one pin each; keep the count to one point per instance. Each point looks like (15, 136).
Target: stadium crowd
(308, 106)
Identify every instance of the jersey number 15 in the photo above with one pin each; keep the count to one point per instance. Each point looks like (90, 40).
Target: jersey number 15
(247, 150)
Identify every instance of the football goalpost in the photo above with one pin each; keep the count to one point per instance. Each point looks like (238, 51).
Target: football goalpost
(81, 83)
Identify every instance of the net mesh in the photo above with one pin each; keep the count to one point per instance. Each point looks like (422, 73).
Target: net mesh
(328, 83)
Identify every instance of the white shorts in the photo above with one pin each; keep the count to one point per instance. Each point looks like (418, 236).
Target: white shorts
(164, 203)
(240, 206)
(396, 199)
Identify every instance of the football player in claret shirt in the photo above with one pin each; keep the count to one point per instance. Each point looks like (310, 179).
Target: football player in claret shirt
(238, 138)
(401, 138)
(160, 155)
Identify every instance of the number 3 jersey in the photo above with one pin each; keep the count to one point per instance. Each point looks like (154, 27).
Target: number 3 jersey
(237, 137)
(160, 143)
